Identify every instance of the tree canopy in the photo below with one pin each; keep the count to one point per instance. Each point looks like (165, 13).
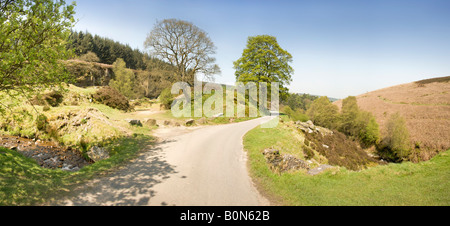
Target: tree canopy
(107, 50)
(263, 60)
(125, 81)
(32, 43)
(185, 46)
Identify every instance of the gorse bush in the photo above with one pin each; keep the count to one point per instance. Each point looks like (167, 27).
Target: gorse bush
(112, 98)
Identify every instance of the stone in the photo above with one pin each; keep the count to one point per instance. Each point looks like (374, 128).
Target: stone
(166, 122)
(283, 163)
(150, 122)
(97, 154)
(202, 121)
(189, 122)
(292, 163)
(135, 122)
(319, 169)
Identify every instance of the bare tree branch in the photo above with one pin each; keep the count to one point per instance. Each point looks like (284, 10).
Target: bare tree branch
(185, 46)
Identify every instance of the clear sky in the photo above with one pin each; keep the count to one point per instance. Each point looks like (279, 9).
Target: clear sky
(339, 48)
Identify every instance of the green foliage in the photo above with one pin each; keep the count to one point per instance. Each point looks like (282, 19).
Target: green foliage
(158, 76)
(263, 60)
(323, 113)
(42, 122)
(166, 98)
(369, 133)
(349, 115)
(112, 98)
(106, 49)
(405, 184)
(89, 57)
(52, 98)
(24, 182)
(396, 145)
(297, 101)
(32, 43)
(295, 115)
(358, 124)
(125, 81)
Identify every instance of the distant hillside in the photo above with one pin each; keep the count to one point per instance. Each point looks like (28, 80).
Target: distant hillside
(332, 99)
(424, 104)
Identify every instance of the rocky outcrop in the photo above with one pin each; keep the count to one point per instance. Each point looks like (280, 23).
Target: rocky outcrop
(189, 122)
(309, 127)
(283, 163)
(150, 122)
(134, 122)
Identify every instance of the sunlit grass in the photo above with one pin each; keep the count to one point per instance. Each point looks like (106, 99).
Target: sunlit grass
(425, 183)
(24, 182)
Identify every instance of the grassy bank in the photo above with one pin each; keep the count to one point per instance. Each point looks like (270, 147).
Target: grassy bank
(24, 182)
(425, 183)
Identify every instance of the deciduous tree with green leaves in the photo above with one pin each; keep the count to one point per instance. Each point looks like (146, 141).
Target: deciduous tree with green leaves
(125, 81)
(323, 113)
(33, 36)
(263, 60)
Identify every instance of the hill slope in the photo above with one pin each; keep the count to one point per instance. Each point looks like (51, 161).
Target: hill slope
(424, 104)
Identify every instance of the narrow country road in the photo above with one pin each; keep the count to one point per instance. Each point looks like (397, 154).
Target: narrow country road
(204, 166)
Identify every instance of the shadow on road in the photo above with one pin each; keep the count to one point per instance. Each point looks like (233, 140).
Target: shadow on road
(130, 186)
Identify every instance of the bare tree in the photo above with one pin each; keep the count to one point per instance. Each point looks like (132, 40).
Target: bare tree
(185, 46)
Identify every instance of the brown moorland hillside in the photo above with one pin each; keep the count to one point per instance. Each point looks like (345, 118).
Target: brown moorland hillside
(424, 104)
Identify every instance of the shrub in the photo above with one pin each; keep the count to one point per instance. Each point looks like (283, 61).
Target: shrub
(52, 98)
(299, 116)
(395, 146)
(41, 122)
(89, 57)
(323, 113)
(295, 115)
(340, 150)
(309, 153)
(112, 98)
(125, 81)
(370, 134)
(166, 98)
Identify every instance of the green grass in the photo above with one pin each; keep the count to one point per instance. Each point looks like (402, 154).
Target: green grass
(24, 182)
(425, 183)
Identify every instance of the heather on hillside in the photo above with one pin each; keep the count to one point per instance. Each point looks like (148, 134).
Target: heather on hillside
(425, 106)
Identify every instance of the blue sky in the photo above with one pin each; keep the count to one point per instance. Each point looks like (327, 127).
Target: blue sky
(339, 48)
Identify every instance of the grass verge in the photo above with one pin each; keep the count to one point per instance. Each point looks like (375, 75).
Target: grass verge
(24, 182)
(424, 183)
